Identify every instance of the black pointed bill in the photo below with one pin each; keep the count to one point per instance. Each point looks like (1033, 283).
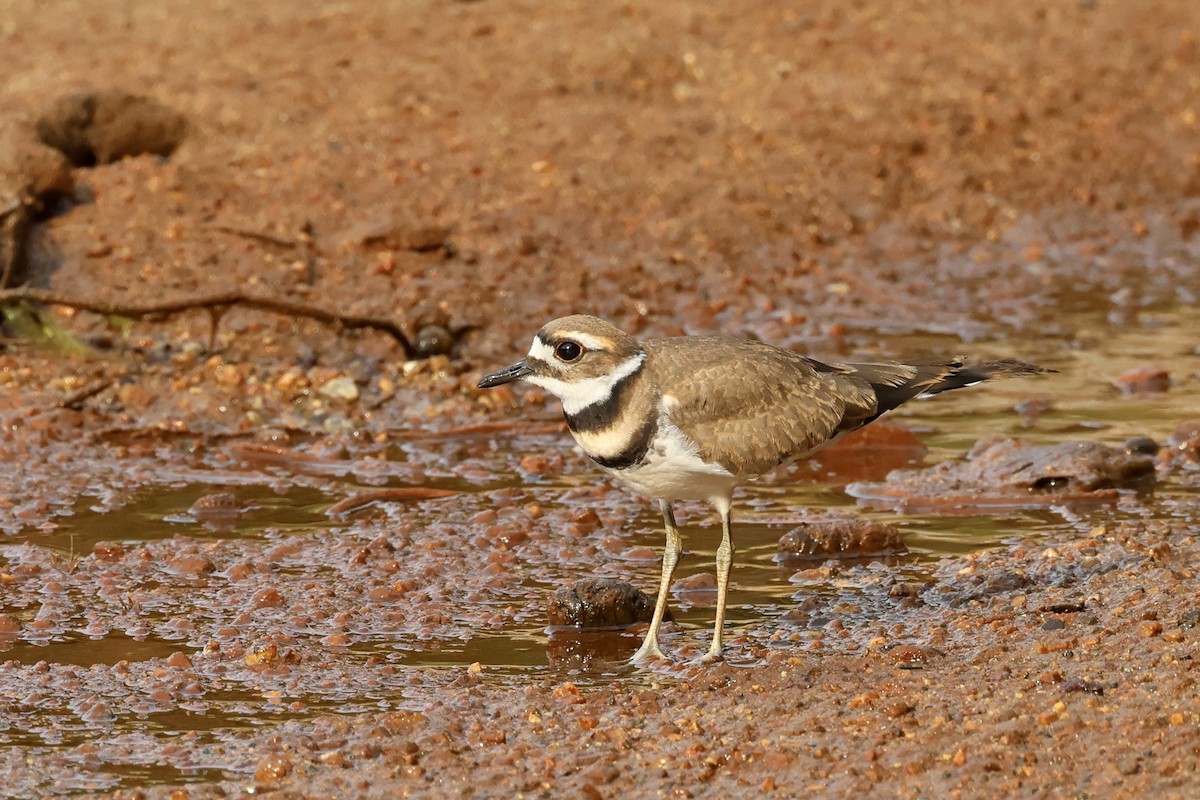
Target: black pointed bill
(507, 375)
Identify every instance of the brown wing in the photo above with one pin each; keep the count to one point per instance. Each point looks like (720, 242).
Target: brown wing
(750, 406)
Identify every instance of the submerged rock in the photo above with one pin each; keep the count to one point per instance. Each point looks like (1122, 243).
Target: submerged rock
(696, 590)
(843, 538)
(1183, 447)
(1011, 472)
(1143, 380)
(600, 603)
(217, 506)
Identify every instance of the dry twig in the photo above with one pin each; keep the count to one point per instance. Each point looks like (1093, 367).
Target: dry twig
(396, 493)
(215, 304)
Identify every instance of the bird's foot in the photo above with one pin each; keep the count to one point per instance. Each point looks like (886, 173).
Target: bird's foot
(708, 658)
(649, 651)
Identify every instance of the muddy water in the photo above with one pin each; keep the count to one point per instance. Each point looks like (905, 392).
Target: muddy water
(380, 669)
(1085, 405)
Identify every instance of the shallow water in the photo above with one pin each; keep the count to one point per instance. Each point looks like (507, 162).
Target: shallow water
(1085, 406)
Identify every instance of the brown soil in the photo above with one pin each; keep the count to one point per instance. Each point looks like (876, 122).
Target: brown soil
(821, 177)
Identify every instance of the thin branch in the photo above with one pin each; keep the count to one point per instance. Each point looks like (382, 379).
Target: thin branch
(213, 302)
(396, 493)
(516, 427)
(75, 399)
(258, 236)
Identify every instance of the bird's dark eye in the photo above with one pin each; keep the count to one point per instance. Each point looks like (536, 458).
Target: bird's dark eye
(568, 351)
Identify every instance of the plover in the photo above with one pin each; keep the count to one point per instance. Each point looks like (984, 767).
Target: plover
(692, 417)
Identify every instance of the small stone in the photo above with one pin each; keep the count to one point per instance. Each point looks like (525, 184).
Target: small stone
(216, 506)
(606, 773)
(262, 655)
(267, 598)
(272, 768)
(341, 388)
(108, 551)
(910, 655)
(1081, 685)
(1141, 445)
(190, 566)
(700, 582)
(1054, 624)
(1143, 380)
(179, 660)
(1148, 630)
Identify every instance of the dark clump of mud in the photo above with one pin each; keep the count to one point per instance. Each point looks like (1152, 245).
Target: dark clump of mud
(1012, 472)
(599, 603)
(841, 539)
(101, 127)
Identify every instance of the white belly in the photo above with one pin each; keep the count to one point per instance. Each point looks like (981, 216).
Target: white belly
(673, 471)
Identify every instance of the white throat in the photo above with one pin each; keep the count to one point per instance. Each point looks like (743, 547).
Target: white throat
(578, 395)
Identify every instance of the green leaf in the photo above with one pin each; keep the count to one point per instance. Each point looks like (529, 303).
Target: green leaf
(27, 322)
(123, 325)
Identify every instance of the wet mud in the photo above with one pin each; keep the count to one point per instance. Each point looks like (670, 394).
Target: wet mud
(1012, 472)
(244, 548)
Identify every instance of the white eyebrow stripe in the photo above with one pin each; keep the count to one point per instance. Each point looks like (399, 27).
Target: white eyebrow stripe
(588, 341)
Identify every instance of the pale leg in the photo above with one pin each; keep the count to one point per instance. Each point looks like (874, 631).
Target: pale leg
(724, 561)
(649, 648)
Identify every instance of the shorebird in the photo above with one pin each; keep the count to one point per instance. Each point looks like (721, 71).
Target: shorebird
(692, 417)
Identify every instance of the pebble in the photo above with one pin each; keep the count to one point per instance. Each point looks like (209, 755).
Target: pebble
(341, 388)
(1143, 380)
(272, 768)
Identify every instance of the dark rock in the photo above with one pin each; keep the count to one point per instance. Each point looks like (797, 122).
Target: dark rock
(1189, 618)
(1063, 608)
(1053, 624)
(1080, 685)
(101, 127)
(841, 538)
(1140, 445)
(432, 333)
(904, 590)
(600, 603)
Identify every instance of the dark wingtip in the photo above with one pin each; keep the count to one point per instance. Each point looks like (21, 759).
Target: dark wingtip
(1010, 366)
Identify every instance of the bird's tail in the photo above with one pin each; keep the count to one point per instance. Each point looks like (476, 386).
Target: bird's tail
(958, 376)
(896, 384)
